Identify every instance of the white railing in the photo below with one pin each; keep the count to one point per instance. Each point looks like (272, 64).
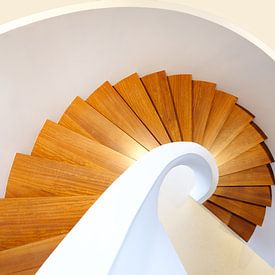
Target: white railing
(121, 233)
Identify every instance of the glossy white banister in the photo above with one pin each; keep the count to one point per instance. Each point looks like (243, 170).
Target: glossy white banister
(121, 233)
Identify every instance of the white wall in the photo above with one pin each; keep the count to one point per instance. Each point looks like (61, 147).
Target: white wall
(254, 20)
(43, 66)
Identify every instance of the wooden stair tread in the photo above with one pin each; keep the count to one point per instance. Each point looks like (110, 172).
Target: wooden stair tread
(238, 119)
(260, 195)
(261, 175)
(254, 157)
(203, 95)
(181, 90)
(239, 225)
(156, 85)
(109, 103)
(84, 119)
(133, 92)
(27, 259)
(26, 220)
(252, 213)
(59, 143)
(248, 138)
(222, 106)
(74, 161)
(36, 177)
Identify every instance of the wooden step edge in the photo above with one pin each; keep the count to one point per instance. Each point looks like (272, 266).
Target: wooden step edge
(247, 111)
(240, 226)
(173, 100)
(271, 173)
(239, 178)
(32, 176)
(232, 213)
(29, 257)
(268, 152)
(175, 134)
(258, 129)
(164, 138)
(268, 204)
(253, 219)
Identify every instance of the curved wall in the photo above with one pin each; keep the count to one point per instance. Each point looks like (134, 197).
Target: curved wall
(43, 66)
(253, 20)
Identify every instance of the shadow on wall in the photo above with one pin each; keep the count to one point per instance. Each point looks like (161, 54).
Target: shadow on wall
(263, 241)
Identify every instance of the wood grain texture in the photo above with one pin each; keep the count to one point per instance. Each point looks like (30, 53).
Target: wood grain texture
(109, 103)
(133, 92)
(27, 259)
(156, 85)
(222, 106)
(233, 126)
(250, 212)
(203, 95)
(260, 195)
(181, 90)
(84, 119)
(261, 175)
(59, 143)
(247, 139)
(254, 157)
(36, 177)
(239, 225)
(26, 220)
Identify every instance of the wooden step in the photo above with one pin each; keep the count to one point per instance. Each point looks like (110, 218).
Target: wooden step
(26, 220)
(261, 175)
(222, 106)
(203, 95)
(254, 157)
(109, 103)
(133, 92)
(250, 212)
(84, 119)
(36, 177)
(181, 90)
(247, 139)
(156, 85)
(239, 225)
(260, 195)
(27, 259)
(238, 119)
(59, 143)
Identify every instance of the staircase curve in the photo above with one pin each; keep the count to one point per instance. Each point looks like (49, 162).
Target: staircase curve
(75, 160)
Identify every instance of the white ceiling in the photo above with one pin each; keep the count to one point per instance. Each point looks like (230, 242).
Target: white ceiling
(43, 66)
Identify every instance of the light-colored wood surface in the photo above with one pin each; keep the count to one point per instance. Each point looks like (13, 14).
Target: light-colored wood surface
(253, 213)
(181, 89)
(133, 92)
(254, 157)
(156, 85)
(222, 106)
(239, 225)
(59, 143)
(203, 95)
(261, 175)
(109, 103)
(247, 139)
(36, 177)
(26, 259)
(235, 123)
(26, 220)
(260, 195)
(84, 119)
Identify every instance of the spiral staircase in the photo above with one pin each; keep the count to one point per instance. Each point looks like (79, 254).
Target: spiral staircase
(97, 139)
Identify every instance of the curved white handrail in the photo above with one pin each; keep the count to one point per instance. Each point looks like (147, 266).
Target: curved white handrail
(121, 232)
